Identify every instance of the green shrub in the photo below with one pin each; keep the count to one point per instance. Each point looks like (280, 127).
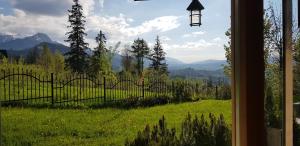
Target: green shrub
(195, 132)
(133, 102)
(182, 92)
(159, 136)
(214, 132)
(225, 92)
(152, 101)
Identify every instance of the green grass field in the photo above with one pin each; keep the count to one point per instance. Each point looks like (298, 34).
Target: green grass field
(69, 127)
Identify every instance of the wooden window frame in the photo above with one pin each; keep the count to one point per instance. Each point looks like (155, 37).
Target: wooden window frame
(248, 125)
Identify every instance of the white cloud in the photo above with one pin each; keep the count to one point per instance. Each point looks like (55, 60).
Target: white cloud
(195, 51)
(24, 24)
(161, 24)
(28, 22)
(88, 7)
(217, 39)
(119, 28)
(44, 7)
(165, 38)
(194, 34)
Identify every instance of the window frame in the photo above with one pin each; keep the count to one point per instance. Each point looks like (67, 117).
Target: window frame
(248, 122)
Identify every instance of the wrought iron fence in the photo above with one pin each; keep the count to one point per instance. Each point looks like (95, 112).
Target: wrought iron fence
(26, 87)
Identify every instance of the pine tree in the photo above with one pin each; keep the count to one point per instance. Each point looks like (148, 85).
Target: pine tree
(76, 58)
(101, 41)
(99, 60)
(158, 58)
(140, 50)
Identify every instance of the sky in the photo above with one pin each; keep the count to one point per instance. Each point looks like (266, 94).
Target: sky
(126, 20)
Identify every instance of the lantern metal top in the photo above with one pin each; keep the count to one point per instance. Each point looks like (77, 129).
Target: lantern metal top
(195, 5)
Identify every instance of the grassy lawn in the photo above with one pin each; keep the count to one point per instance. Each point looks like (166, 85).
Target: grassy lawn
(64, 127)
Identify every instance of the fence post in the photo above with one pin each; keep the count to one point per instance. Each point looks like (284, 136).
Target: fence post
(104, 84)
(52, 89)
(143, 85)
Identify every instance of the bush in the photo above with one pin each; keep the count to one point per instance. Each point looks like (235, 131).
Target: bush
(195, 132)
(133, 102)
(159, 136)
(214, 132)
(182, 92)
(225, 92)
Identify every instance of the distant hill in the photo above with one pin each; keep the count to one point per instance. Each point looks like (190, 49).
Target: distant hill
(23, 52)
(197, 74)
(210, 65)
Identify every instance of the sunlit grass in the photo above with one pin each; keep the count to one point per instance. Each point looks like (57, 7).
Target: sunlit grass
(52, 127)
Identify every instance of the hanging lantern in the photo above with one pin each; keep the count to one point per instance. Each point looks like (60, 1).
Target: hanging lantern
(195, 9)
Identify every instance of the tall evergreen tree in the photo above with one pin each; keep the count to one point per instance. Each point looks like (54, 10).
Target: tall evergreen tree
(99, 60)
(101, 41)
(140, 50)
(158, 58)
(76, 58)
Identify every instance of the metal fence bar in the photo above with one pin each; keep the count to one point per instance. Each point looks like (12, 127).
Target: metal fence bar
(52, 89)
(4, 87)
(104, 89)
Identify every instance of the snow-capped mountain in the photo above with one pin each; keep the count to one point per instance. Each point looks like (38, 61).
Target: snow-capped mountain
(10, 43)
(41, 37)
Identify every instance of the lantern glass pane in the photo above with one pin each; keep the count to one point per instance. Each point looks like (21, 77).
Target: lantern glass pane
(196, 17)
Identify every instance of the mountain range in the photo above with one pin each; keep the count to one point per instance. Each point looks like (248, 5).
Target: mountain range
(21, 46)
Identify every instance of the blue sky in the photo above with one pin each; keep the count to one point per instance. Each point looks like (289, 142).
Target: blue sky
(125, 20)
